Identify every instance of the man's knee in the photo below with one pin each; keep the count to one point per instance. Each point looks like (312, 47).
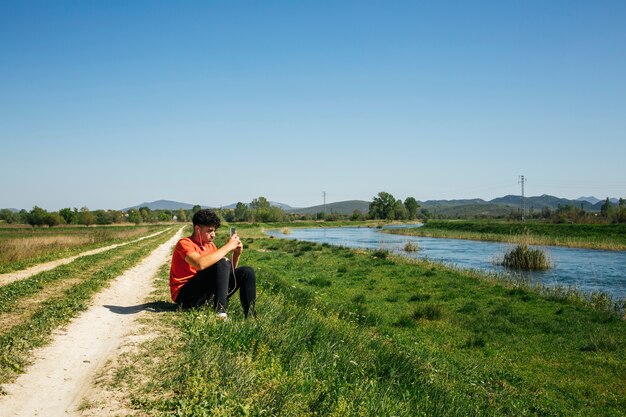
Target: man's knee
(222, 267)
(246, 272)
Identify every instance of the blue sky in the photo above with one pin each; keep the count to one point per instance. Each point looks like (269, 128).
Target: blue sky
(108, 104)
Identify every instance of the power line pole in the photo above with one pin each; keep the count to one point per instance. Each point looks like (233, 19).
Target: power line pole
(522, 180)
(324, 195)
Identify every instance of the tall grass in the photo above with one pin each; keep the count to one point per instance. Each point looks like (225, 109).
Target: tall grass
(592, 236)
(411, 247)
(525, 258)
(24, 247)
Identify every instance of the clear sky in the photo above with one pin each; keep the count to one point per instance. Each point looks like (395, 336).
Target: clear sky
(112, 103)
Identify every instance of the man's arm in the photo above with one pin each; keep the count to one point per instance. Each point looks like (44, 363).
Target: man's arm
(237, 253)
(200, 262)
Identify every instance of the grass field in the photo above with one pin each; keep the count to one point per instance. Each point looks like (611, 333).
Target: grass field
(25, 246)
(31, 308)
(592, 236)
(346, 333)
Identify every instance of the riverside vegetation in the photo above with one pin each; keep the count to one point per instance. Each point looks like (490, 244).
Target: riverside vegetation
(592, 236)
(524, 258)
(342, 332)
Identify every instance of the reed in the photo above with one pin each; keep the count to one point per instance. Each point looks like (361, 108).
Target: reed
(411, 247)
(525, 258)
(590, 236)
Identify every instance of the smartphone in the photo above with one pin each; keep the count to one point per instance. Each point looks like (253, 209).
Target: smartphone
(232, 231)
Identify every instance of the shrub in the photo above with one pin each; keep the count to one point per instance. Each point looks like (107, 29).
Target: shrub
(525, 258)
(411, 247)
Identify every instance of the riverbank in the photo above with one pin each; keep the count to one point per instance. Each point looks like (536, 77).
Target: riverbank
(588, 236)
(347, 332)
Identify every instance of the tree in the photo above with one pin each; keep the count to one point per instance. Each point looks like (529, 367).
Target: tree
(54, 219)
(102, 217)
(70, 217)
(195, 209)
(134, 216)
(85, 216)
(606, 208)
(260, 203)
(399, 211)
(241, 212)
(411, 205)
(117, 216)
(182, 216)
(382, 206)
(357, 215)
(8, 216)
(37, 216)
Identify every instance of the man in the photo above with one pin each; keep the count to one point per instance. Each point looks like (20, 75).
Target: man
(201, 272)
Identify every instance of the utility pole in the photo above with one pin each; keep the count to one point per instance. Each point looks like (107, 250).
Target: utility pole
(522, 180)
(324, 195)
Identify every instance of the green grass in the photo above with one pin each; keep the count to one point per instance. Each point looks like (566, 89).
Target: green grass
(89, 274)
(383, 336)
(593, 236)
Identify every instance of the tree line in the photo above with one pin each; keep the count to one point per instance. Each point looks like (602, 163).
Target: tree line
(384, 206)
(609, 213)
(83, 216)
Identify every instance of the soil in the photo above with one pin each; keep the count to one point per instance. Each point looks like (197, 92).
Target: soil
(63, 373)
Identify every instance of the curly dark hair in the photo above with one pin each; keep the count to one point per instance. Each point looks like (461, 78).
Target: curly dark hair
(206, 217)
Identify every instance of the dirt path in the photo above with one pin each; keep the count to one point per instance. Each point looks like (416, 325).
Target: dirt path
(62, 372)
(25, 273)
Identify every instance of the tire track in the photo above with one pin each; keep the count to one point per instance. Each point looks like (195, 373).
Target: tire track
(25, 273)
(63, 371)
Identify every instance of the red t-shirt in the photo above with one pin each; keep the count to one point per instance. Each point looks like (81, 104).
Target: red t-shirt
(181, 271)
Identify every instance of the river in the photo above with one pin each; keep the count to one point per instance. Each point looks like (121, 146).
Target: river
(588, 270)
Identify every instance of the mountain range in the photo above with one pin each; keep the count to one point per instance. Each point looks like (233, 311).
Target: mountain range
(500, 205)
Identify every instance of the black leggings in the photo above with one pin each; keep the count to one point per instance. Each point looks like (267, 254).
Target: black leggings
(217, 284)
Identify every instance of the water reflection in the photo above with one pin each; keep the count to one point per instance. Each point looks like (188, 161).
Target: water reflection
(586, 269)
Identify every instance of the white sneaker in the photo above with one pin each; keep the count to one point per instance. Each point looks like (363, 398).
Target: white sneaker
(222, 316)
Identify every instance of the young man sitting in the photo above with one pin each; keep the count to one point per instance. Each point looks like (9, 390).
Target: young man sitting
(201, 272)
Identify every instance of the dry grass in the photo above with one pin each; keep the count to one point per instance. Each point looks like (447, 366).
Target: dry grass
(19, 248)
(28, 247)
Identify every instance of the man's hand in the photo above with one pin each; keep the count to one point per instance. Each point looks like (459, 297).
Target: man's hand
(234, 244)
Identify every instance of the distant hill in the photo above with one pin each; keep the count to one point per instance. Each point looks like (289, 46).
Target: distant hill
(342, 207)
(164, 205)
(592, 200)
(175, 205)
(463, 207)
(542, 201)
(283, 206)
(503, 205)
